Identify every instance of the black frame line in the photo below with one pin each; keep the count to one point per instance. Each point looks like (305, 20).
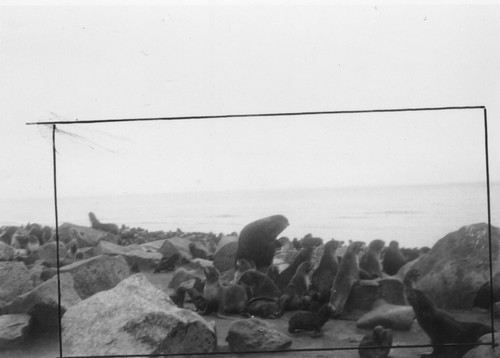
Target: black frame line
(54, 155)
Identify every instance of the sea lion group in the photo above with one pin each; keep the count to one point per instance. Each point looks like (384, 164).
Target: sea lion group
(317, 289)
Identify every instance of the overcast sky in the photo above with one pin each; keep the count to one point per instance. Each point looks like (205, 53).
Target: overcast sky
(95, 62)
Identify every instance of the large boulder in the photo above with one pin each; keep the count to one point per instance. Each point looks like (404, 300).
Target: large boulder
(97, 274)
(48, 253)
(254, 334)
(84, 236)
(15, 280)
(13, 329)
(396, 317)
(41, 303)
(225, 256)
(109, 248)
(458, 264)
(153, 246)
(143, 261)
(134, 318)
(6, 252)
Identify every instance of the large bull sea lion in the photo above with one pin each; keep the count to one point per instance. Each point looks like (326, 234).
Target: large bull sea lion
(257, 241)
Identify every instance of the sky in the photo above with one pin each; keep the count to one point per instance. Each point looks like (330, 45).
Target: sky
(167, 59)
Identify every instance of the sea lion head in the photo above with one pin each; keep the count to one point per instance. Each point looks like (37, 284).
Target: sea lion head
(394, 245)
(379, 333)
(377, 245)
(275, 225)
(355, 247)
(211, 273)
(243, 265)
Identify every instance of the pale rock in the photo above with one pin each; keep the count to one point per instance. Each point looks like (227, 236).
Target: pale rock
(395, 317)
(84, 236)
(109, 248)
(134, 318)
(143, 261)
(97, 274)
(15, 280)
(6, 252)
(225, 256)
(13, 329)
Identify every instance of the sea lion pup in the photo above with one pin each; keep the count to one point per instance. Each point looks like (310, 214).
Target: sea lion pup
(381, 341)
(258, 284)
(346, 276)
(286, 275)
(371, 260)
(197, 252)
(179, 296)
(96, 224)
(441, 327)
(242, 265)
(310, 321)
(322, 277)
(293, 294)
(257, 240)
(228, 299)
(393, 259)
(167, 263)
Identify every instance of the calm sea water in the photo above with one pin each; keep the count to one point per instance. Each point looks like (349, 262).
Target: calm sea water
(413, 215)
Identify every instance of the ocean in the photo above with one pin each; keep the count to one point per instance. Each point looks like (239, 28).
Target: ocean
(413, 215)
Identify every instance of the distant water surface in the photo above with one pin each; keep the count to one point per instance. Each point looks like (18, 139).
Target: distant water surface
(413, 215)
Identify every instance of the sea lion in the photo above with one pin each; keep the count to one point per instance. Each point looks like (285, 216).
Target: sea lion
(346, 276)
(293, 294)
(258, 284)
(196, 252)
(257, 240)
(393, 259)
(242, 265)
(179, 296)
(286, 275)
(381, 341)
(309, 240)
(273, 272)
(263, 307)
(96, 224)
(322, 277)
(371, 261)
(440, 326)
(33, 244)
(228, 299)
(286, 244)
(310, 321)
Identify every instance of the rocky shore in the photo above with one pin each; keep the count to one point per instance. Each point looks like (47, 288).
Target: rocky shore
(119, 291)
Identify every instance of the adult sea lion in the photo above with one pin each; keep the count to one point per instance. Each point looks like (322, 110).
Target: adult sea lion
(440, 326)
(322, 277)
(380, 340)
(346, 276)
(258, 284)
(228, 299)
(371, 261)
(294, 293)
(393, 259)
(286, 275)
(257, 241)
(310, 321)
(96, 224)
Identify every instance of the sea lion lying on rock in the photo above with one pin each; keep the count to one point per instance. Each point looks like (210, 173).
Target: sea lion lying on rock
(96, 224)
(441, 327)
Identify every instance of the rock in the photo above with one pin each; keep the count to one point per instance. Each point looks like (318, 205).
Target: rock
(254, 334)
(84, 236)
(225, 256)
(143, 261)
(168, 249)
(482, 352)
(134, 318)
(487, 338)
(97, 274)
(48, 253)
(457, 265)
(226, 240)
(396, 317)
(182, 246)
(6, 252)
(182, 275)
(153, 246)
(109, 248)
(364, 294)
(13, 329)
(41, 303)
(15, 280)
